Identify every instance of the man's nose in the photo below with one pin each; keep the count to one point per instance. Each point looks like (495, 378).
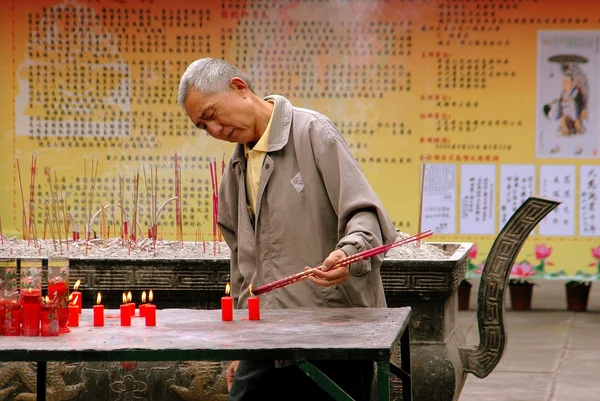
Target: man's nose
(214, 127)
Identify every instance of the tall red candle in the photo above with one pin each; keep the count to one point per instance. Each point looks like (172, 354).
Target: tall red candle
(227, 305)
(150, 311)
(32, 304)
(253, 306)
(98, 312)
(49, 318)
(77, 294)
(125, 312)
(12, 320)
(73, 313)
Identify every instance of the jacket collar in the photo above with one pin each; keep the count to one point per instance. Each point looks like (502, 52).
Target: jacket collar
(280, 128)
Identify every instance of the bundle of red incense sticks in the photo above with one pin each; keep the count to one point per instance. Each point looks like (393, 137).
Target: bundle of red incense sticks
(342, 262)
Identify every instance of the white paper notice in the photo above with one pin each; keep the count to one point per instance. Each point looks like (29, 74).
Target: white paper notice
(477, 199)
(558, 183)
(517, 183)
(589, 201)
(439, 198)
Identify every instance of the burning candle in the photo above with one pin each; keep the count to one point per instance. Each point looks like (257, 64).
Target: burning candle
(125, 312)
(49, 314)
(131, 304)
(98, 312)
(32, 303)
(150, 311)
(253, 306)
(73, 312)
(142, 307)
(227, 305)
(77, 295)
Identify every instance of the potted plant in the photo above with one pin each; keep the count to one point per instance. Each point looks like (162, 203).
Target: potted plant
(521, 289)
(577, 295)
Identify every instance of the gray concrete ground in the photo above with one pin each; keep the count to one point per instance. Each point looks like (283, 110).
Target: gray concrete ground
(551, 354)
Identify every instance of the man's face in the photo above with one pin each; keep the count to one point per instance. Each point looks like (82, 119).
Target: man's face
(225, 116)
(567, 83)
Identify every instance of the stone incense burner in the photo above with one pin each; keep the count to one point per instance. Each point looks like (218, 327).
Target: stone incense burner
(440, 357)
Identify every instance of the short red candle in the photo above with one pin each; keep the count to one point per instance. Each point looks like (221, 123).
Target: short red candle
(49, 314)
(227, 306)
(32, 304)
(150, 315)
(132, 306)
(99, 315)
(12, 320)
(73, 315)
(253, 308)
(98, 312)
(125, 315)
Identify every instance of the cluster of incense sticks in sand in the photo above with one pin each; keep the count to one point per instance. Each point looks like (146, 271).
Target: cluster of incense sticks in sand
(214, 181)
(342, 262)
(142, 210)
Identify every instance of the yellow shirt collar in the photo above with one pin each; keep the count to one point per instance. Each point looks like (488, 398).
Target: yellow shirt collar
(263, 143)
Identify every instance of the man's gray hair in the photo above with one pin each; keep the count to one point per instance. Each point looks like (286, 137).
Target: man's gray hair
(208, 75)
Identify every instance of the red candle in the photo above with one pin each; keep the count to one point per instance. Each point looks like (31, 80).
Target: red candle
(12, 320)
(150, 311)
(2, 314)
(32, 304)
(253, 306)
(227, 305)
(73, 313)
(49, 315)
(131, 304)
(125, 312)
(142, 307)
(98, 312)
(77, 295)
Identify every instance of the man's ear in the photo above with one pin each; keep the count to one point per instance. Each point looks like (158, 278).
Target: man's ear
(239, 85)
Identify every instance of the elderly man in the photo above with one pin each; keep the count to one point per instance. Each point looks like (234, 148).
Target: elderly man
(292, 196)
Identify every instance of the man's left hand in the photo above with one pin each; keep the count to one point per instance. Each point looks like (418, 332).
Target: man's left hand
(327, 275)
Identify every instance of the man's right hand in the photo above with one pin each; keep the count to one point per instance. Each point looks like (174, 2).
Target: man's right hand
(231, 373)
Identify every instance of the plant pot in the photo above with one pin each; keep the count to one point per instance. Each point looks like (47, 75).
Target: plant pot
(520, 295)
(464, 295)
(577, 295)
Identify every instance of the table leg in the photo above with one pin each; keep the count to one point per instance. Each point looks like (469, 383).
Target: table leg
(324, 381)
(41, 381)
(383, 380)
(407, 394)
(403, 371)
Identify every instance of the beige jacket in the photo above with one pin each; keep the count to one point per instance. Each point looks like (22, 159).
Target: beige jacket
(312, 199)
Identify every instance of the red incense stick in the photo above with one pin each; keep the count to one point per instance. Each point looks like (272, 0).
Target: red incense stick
(342, 262)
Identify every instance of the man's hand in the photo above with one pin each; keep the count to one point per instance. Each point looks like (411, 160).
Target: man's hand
(230, 372)
(326, 276)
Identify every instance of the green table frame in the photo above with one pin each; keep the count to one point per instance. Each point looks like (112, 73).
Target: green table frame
(297, 335)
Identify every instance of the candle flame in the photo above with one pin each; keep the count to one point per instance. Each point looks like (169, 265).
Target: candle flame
(47, 299)
(76, 286)
(250, 289)
(144, 297)
(124, 298)
(99, 298)
(129, 296)
(70, 297)
(227, 289)
(75, 300)
(150, 296)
